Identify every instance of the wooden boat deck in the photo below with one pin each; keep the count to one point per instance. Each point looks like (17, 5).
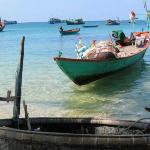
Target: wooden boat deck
(128, 51)
(107, 46)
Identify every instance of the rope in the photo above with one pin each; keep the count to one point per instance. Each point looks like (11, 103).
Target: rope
(136, 123)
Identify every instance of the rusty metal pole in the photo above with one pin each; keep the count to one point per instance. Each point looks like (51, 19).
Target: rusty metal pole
(18, 84)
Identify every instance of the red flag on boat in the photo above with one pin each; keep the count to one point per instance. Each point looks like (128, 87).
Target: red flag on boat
(145, 5)
(132, 16)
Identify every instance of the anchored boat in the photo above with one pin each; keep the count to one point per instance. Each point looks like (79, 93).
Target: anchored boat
(71, 31)
(90, 26)
(75, 133)
(9, 22)
(75, 22)
(54, 20)
(104, 58)
(112, 22)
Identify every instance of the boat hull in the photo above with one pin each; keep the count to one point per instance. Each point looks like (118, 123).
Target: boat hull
(74, 22)
(90, 26)
(9, 22)
(2, 28)
(68, 32)
(83, 71)
(72, 134)
(113, 23)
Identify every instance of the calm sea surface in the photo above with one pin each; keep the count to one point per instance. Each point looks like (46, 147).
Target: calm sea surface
(48, 92)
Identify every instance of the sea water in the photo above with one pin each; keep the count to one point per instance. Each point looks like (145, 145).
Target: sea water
(49, 92)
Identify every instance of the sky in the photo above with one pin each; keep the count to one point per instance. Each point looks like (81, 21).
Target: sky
(42, 10)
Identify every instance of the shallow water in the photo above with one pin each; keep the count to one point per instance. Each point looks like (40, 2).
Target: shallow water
(48, 92)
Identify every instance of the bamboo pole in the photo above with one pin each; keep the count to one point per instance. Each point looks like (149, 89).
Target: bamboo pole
(18, 84)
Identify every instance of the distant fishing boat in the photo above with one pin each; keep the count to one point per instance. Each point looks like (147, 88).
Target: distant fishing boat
(71, 31)
(113, 22)
(54, 20)
(10, 22)
(90, 26)
(75, 22)
(103, 58)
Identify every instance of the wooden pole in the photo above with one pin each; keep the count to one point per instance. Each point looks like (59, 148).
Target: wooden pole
(18, 84)
(27, 115)
(8, 95)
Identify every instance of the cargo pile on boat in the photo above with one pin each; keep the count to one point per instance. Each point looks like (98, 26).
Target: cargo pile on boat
(100, 50)
(120, 47)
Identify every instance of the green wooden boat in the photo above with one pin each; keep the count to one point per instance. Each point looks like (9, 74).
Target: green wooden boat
(83, 71)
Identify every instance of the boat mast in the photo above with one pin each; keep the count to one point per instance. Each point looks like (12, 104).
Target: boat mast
(148, 15)
(132, 17)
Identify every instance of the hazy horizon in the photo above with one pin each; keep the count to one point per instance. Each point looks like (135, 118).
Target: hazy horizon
(84, 20)
(41, 11)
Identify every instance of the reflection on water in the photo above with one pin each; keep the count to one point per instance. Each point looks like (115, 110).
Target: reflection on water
(122, 81)
(116, 94)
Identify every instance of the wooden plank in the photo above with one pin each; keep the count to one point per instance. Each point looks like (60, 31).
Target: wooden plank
(6, 99)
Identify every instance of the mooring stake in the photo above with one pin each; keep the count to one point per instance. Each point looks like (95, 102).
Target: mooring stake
(27, 115)
(18, 85)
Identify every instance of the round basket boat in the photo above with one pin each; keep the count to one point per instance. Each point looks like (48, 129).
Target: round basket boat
(75, 134)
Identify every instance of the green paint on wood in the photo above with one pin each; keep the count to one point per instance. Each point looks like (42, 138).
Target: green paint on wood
(84, 71)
